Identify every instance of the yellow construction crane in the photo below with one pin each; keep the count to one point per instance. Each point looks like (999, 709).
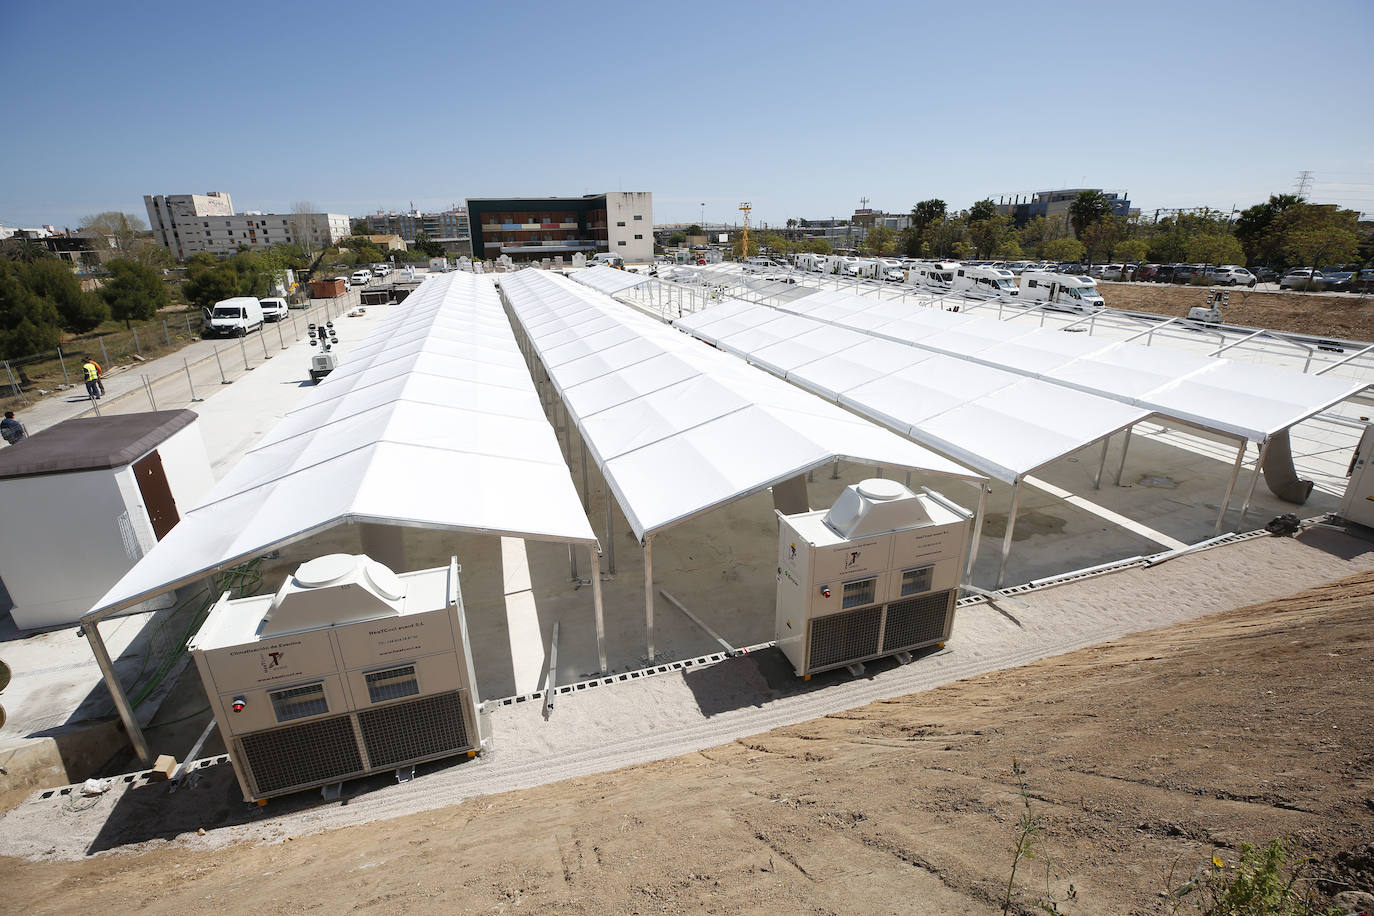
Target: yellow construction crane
(745, 207)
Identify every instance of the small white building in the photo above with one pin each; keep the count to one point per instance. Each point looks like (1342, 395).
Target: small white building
(84, 500)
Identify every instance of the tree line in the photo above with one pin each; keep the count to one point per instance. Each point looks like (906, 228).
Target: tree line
(1284, 231)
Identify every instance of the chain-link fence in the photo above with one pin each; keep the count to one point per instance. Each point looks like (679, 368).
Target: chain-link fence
(29, 378)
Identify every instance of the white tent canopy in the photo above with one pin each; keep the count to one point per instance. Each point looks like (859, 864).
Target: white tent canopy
(996, 421)
(609, 280)
(432, 422)
(678, 428)
(1238, 399)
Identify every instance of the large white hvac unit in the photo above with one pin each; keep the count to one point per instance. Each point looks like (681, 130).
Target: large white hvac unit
(876, 574)
(1358, 504)
(348, 669)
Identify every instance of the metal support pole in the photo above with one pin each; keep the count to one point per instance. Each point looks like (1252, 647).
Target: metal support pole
(243, 348)
(649, 592)
(977, 531)
(610, 530)
(167, 332)
(1125, 444)
(262, 339)
(14, 384)
(280, 339)
(1231, 486)
(586, 492)
(551, 682)
(835, 472)
(572, 565)
(189, 332)
(596, 607)
(103, 353)
(1254, 479)
(121, 700)
(222, 379)
(1011, 526)
(66, 379)
(1101, 464)
(137, 348)
(95, 404)
(190, 384)
(149, 388)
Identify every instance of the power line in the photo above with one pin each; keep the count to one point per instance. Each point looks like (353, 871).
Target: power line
(1304, 181)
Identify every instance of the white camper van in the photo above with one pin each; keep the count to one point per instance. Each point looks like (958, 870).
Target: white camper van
(984, 282)
(233, 318)
(1063, 292)
(815, 263)
(937, 275)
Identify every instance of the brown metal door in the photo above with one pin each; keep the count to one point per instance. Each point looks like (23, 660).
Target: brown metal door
(157, 495)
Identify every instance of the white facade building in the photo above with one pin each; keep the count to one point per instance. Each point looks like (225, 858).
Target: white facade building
(630, 225)
(186, 224)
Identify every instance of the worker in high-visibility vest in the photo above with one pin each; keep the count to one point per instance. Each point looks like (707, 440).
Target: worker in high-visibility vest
(91, 371)
(99, 374)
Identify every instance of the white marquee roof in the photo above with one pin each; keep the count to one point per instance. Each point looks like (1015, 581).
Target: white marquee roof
(1240, 399)
(678, 428)
(1001, 423)
(431, 422)
(609, 280)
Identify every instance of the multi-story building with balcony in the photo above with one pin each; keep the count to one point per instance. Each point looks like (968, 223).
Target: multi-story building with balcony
(448, 227)
(186, 224)
(531, 228)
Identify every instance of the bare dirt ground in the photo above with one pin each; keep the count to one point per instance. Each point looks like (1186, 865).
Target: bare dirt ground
(1348, 317)
(1152, 752)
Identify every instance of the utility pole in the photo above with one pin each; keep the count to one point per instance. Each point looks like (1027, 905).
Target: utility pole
(1304, 182)
(745, 207)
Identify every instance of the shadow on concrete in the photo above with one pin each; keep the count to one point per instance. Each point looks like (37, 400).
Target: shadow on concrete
(213, 801)
(1358, 542)
(764, 676)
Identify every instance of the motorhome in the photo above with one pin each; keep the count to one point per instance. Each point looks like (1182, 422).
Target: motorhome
(762, 266)
(861, 267)
(814, 263)
(233, 317)
(1062, 292)
(984, 282)
(937, 275)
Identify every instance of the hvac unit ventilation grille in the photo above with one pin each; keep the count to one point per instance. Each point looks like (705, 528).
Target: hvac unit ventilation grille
(917, 621)
(841, 638)
(409, 731)
(314, 752)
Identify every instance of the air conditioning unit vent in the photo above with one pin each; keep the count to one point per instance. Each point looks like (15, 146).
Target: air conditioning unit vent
(302, 755)
(838, 638)
(416, 730)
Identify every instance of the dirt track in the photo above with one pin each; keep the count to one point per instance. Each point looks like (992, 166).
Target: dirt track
(1154, 750)
(1347, 317)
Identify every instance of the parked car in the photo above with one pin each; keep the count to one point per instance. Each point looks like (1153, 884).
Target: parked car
(1266, 274)
(381, 270)
(361, 277)
(1074, 269)
(1303, 278)
(1339, 280)
(1231, 275)
(1146, 271)
(1184, 273)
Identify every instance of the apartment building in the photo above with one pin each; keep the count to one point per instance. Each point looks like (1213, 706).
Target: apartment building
(1054, 206)
(446, 226)
(530, 228)
(186, 224)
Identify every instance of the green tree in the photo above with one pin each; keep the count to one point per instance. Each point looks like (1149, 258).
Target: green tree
(424, 243)
(28, 322)
(694, 229)
(208, 285)
(983, 209)
(24, 250)
(941, 237)
(1321, 245)
(1214, 248)
(1065, 249)
(1133, 251)
(1100, 238)
(359, 227)
(1009, 250)
(989, 233)
(133, 291)
(1260, 228)
(54, 281)
(1087, 208)
(881, 240)
(677, 238)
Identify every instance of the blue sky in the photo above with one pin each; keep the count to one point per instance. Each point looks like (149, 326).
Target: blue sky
(802, 108)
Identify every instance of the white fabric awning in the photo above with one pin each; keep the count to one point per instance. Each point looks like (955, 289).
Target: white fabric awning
(678, 428)
(996, 421)
(609, 280)
(431, 422)
(1239, 399)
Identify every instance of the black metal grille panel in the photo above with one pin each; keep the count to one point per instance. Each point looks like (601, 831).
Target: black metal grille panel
(302, 755)
(841, 638)
(917, 621)
(414, 730)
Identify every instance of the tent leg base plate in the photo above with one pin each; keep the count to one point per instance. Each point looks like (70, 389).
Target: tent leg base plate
(405, 774)
(856, 669)
(331, 791)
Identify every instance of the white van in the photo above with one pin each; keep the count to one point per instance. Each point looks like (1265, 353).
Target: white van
(1062, 292)
(273, 309)
(762, 266)
(360, 277)
(233, 318)
(608, 259)
(984, 282)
